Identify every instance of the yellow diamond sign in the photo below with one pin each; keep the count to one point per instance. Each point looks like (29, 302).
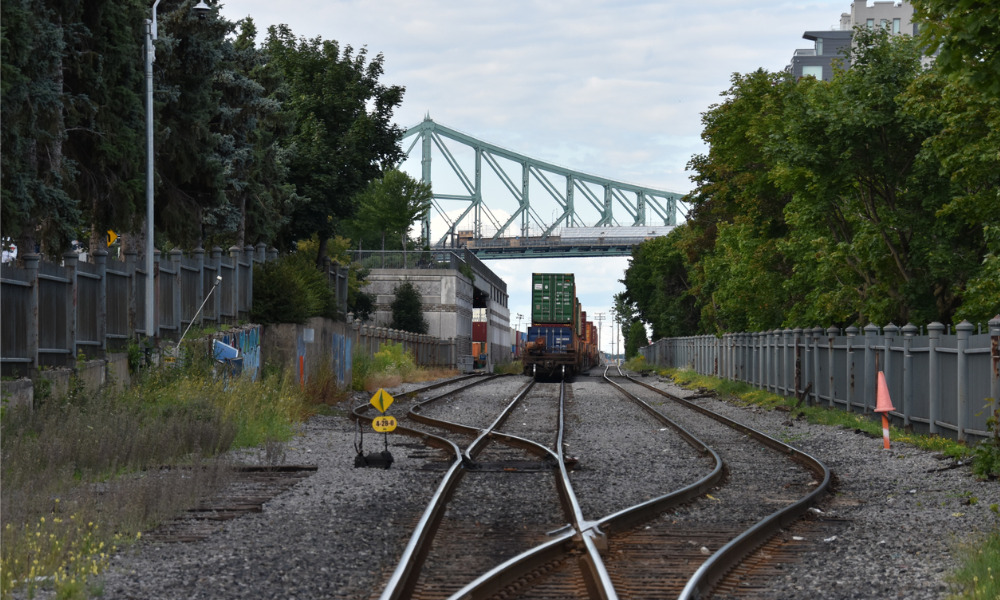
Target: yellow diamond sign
(382, 400)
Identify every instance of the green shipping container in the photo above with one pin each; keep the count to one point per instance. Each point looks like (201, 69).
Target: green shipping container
(553, 299)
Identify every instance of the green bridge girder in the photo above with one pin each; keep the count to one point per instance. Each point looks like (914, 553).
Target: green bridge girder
(642, 212)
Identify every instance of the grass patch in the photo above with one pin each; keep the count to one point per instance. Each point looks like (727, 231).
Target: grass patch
(509, 368)
(85, 475)
(638, 364)
(979, 576)
(743, 394)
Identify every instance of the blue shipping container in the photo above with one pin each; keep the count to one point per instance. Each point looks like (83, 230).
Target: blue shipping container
(558, 338)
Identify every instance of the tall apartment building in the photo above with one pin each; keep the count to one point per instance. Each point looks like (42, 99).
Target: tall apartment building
(831, 45)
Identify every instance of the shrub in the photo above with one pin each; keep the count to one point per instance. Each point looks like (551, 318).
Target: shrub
(407, 309)
(388, 367)
(290, 290)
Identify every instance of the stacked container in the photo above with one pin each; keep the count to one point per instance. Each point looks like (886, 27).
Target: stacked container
(480, 329)
(557, 340)
(553, 299)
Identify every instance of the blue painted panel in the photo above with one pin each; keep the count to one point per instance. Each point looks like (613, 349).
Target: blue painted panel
(558, 338)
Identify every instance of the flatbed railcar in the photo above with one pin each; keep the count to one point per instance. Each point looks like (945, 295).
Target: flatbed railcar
(560, 342)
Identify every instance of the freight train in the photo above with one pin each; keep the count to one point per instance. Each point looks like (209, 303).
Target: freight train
(560, 340)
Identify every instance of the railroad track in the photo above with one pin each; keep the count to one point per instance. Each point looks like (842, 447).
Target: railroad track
(248, 488)
(506, 521)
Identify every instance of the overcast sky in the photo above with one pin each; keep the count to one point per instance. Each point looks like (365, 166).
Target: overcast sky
(612, 88)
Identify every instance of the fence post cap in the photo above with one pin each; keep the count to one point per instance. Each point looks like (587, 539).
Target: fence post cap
(871, 329)
(964, 326)
(995, 325)
(910, 329)
(935, 326)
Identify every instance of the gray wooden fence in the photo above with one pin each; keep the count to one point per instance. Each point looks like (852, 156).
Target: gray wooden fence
(939, 383)
(52, 313)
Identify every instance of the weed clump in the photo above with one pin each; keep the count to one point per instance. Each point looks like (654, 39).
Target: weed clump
(85, 475)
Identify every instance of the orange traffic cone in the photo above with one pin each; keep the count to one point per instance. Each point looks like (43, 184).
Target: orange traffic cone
(883, 405)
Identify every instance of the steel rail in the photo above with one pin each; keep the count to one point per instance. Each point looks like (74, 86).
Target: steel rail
(441, 383)
(629, 517)
(583, 534)
(404, 578)
(590, 536)
(728, 556)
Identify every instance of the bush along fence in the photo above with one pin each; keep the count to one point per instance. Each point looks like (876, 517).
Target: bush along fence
(939, 383)
(53, 313)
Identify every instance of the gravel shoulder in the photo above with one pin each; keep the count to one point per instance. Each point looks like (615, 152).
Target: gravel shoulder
(338, 533)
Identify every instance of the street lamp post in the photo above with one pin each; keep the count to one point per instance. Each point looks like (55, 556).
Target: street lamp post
(201, 9)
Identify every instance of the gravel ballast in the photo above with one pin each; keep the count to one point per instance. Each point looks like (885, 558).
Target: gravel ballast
(339, 533)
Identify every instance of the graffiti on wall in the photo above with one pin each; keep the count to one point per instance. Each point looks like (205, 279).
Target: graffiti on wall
(247, 341)
(342, 359)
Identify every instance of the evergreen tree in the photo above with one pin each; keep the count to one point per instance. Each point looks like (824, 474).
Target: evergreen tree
(36, 210)
(407, 309)
(254, 130)
(105, 122)
(190, 150)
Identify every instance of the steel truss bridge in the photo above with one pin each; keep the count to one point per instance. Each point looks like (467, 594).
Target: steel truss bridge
(590, 215)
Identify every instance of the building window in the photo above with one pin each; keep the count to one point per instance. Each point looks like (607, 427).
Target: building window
(895, 25)
(884, 24)
(814, 71)
(819, 46)
(870, 23)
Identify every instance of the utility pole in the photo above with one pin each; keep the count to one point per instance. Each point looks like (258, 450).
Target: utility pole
(599, 317)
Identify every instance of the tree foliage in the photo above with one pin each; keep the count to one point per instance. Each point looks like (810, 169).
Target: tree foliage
(868, 198)
(37, 208)
(252, 143)
(343, 134)
(387, 208)
(635, 338)
(965, 35)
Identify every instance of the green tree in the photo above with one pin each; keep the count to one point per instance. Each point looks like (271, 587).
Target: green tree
(105, 124)
(387, 209)
(656, 282)
(868, 243)
(407, 309)
(963, 90)
(344, 137)
(635, 338)
(189, 147)
(255, 134)
(731, 276)
(36, 208)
